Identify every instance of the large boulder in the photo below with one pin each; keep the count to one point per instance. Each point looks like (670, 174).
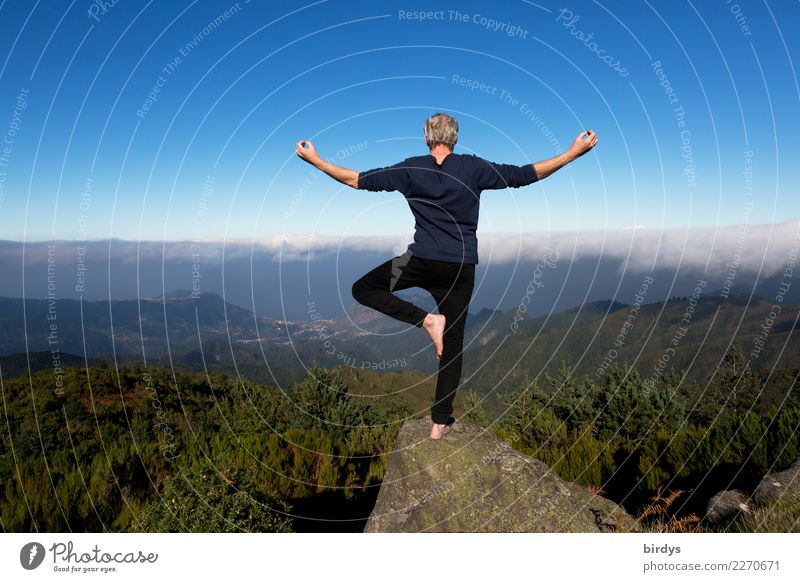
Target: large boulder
(783, 485)
(471, 481)
(726, 506)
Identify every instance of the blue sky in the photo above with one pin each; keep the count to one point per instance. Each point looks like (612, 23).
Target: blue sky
(211, 156)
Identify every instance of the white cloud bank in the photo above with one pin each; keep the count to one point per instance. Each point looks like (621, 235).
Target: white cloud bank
(757, 247)
(764, 248)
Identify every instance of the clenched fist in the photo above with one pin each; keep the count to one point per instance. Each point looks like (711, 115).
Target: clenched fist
(305, 150)
(583, 143)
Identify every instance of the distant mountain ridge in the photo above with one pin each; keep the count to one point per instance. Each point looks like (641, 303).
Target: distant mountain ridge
(128, 327)
(501, 348)
(654, 337)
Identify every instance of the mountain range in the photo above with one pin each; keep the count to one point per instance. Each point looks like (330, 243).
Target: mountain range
(502, 348)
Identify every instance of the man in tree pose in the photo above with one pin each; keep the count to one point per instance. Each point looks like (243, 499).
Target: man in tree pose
(443, 190)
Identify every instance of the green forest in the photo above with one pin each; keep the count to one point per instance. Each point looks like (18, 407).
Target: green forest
(632, 440)
(143, 449)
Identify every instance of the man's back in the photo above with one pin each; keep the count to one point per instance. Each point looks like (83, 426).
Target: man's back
(445, 199)
(443, 190)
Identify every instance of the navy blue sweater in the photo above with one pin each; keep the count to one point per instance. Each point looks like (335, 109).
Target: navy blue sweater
(445, 199)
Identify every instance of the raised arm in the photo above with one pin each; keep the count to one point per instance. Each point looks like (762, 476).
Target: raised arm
(306, 151)
(582, 144)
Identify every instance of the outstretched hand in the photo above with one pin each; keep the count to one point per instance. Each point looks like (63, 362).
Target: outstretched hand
(305, 151)
(585, 141)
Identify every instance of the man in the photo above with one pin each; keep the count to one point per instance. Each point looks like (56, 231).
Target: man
(443, 191)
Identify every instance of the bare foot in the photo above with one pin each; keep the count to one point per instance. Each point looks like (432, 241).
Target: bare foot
(439, 430)
(434, 325)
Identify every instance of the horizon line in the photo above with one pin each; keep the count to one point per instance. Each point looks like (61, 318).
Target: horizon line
(285, 236)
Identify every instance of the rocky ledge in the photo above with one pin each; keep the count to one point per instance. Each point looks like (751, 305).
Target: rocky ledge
(472, 481)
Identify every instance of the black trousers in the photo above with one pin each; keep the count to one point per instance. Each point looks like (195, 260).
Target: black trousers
(451, 285)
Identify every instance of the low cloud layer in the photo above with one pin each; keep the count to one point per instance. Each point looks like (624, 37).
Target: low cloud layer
(756, 248)
(761, 248)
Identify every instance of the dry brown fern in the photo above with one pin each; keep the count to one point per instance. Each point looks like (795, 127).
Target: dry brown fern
(688, 524)
(670, 499)
(655, 517)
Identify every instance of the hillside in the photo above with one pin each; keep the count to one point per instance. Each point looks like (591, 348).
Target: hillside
(174, 322)
(502, 349)
(106, 452)
(134, 448)
(499, 357)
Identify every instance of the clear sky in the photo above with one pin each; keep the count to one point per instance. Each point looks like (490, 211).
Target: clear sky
(177, 120)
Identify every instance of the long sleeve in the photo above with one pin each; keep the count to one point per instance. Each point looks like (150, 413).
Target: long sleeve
(390, 178)
(491, 176)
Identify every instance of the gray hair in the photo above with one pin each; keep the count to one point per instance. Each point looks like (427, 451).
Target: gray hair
(441, 128)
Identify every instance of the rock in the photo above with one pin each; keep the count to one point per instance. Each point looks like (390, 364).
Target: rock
(471, 481)
(783, 485)
(726, 506)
